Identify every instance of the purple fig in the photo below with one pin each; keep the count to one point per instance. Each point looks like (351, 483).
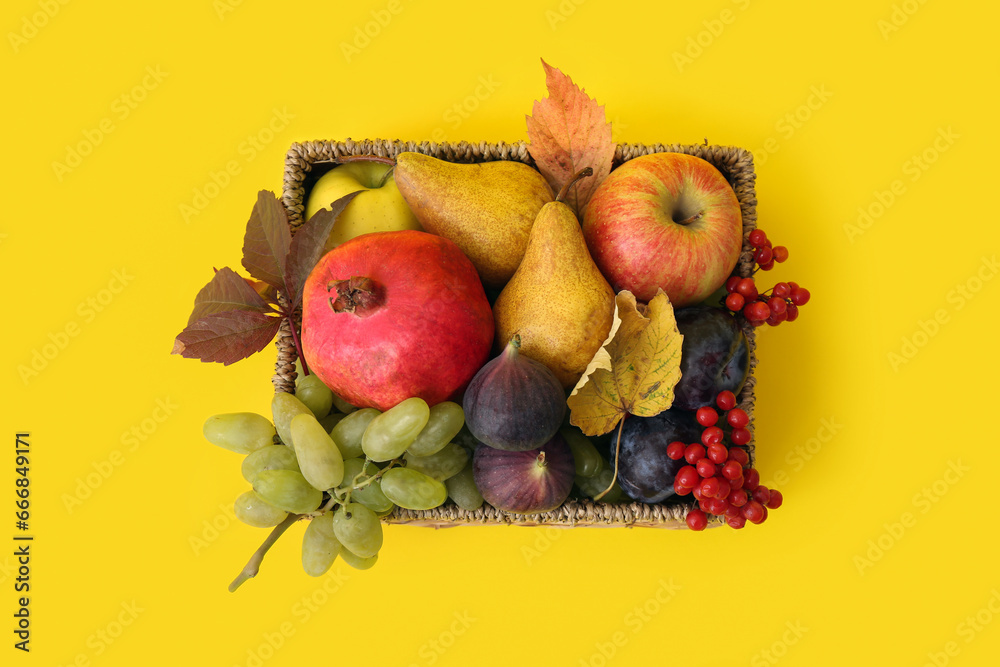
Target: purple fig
(526, 482)
(514, 402)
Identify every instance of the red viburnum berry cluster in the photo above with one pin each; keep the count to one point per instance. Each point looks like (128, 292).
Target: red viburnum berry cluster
(720, 477)
(779, 304)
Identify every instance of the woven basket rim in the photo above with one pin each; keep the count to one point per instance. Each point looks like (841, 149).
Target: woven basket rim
(735, 163)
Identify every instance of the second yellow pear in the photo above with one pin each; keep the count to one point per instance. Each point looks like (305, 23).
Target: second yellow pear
(557, 301)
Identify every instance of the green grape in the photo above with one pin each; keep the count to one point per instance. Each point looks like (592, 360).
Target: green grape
(349, 431)
(390, 433)
(320, 545)
(284, 406)
(342, 405)
(446, 463)
(370, 495)
(253, 511)
(358, 529)
(357, 562)
(315, 395)
(445, 421)
(413, 490)
(319, 459)
(240, 432)
(271, 457)
(588, 460)
(287, 490)
(463, 491)
(331, 420)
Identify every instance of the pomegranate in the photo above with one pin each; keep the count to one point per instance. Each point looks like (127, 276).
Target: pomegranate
(391, 315)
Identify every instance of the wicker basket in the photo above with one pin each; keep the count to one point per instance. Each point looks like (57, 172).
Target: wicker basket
(306, 162)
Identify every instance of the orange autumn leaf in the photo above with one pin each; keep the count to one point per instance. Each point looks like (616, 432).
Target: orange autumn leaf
(567, 132)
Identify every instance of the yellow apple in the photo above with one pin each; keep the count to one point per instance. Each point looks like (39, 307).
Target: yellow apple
(380, 208)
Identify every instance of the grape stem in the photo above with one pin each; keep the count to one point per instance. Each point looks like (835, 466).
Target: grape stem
(618, 446)
(354, 486)
(252, 567)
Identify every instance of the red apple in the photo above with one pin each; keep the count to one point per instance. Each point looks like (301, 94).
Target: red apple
(665, 220)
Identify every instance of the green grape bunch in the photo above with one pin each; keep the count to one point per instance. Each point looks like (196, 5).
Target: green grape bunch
(340, 469)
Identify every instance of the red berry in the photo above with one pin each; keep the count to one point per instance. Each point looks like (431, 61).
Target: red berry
(740, 436)
(765, 515)
(706, 468)
(777, 305)
(799, 296)
(762, 494)
(732, 469)
(675, 450)
(781, 290)
(753, 511)
(680, 489)
(732, 511)
(706, 416)
(793, 285)
(757, 238)
(775, 319)
(737, 418)
(717, 453)
(732, 282)
(687, 476)
(780, 253)
(737, 498)
(752, 479)
(712, 435)
(766, 266)
(726, 400)
(703, 505)
(747, 288)
(696, 520)
(736, 522)
(737, 483)
(757, 310)
(693, 453)
(724, 488)
(792, 313)
(774, 502)
(709, 487)
(763, 256)
(734, 302)
(739, 455)
(716, 506)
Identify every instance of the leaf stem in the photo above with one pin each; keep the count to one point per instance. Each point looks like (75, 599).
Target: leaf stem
(295, 339)
(252, 567)
(618, 446)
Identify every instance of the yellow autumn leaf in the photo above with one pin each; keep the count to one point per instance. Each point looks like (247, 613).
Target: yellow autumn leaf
(645, 366)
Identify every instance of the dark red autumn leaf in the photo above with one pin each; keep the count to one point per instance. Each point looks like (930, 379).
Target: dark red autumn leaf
(226, 291)
(226, 337)
(267, 239)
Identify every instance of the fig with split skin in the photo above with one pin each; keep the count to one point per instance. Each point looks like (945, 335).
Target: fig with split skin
(527, 482)
(514, 402)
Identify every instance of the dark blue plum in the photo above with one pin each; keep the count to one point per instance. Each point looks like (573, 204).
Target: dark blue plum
(645, 472)
(715, 356)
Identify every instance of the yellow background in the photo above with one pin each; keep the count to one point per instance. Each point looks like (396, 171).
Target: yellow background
(837, 99)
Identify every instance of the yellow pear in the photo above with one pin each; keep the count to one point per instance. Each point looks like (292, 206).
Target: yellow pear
(486, 209)
(557, 301)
